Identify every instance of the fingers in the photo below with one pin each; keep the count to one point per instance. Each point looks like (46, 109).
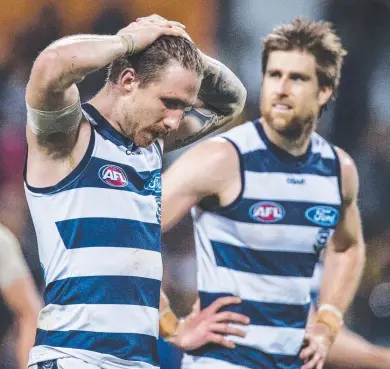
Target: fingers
(312, 356)
(227, 329)
(220, 340)
(223, 301)
(178, 32)
(308, 351)
(156, 19)
(231, 317)
(314, 362)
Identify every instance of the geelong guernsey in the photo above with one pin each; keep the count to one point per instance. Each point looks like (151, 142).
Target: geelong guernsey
(264, 246)
(98, 234)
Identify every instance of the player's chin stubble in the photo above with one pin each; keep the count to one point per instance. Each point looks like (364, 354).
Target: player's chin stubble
(291, 129)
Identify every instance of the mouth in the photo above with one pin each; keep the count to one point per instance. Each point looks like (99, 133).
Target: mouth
(281, 107)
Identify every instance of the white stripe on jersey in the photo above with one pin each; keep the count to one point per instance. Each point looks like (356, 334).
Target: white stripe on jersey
(254, 287)
(105, 203)
(100, 318)
(95, 358)
(273, 340)
(246, 138)
(109, 261)
(319, 145)
(274, 186)
(107, 150)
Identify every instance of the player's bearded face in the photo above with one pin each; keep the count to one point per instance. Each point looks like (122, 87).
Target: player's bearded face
(153, 111)
(291, 97)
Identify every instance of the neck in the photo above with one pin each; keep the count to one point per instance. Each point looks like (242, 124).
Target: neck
(296, 146)
(106, 101)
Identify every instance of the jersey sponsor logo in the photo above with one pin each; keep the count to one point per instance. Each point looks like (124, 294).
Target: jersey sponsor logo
(267, 212)
(324, 216)
(298, 181)
(154, 184)
(113, 175)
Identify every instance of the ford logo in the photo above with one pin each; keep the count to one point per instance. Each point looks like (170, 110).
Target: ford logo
(324, 216)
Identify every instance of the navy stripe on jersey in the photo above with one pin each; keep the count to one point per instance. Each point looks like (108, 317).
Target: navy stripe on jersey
(262, 313)
(248, 357)
(294, 212)
(109, 232)
(118, 290)
(136, 181)
(127, 346)
(278, 263)
(258, 161)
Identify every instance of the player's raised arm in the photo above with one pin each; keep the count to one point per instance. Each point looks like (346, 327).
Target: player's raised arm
(344, 263)
(221, 98)
(54, 111)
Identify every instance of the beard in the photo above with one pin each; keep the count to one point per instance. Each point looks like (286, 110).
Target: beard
(293, 127)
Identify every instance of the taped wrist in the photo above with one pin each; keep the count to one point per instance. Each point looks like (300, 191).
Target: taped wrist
(168, 323)
(65, 120)
(128, 42)
(330, 316)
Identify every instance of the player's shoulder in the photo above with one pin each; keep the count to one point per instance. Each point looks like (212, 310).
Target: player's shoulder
(215, 151)
(347, 164)
(349, 174)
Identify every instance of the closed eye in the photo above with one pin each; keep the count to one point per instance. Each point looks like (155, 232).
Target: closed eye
(174, 104)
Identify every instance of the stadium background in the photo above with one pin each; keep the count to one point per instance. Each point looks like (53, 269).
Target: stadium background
(231, 30)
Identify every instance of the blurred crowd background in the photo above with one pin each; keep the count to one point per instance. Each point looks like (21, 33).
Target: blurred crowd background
(232, 31)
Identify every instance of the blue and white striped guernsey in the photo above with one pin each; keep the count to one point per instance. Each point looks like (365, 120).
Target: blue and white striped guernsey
(264, 246)
(98, 235)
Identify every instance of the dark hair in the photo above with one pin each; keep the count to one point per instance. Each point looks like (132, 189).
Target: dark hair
(149, 62)
(316, 38)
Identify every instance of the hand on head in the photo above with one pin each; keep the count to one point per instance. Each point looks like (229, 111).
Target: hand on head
(144, 31)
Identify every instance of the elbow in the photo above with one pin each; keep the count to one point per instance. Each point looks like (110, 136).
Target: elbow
(240, 105)
(47, 71)
(238, 102)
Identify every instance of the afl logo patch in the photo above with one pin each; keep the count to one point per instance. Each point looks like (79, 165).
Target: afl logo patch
(267, 212)
(113, 175)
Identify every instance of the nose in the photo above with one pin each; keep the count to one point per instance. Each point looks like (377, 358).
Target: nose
(282, 87)
(172, 121)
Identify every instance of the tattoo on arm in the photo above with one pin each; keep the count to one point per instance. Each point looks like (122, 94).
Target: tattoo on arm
(209, 122)
(222, 97)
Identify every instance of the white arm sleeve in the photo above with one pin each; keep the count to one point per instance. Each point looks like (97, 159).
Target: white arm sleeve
(12, 263)
(65, 120)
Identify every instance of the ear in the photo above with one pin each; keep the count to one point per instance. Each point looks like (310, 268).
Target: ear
(127, 79)
(324, 95)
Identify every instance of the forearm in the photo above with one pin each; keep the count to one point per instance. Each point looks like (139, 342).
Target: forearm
(220, 99)
(69, 60)
(26, 329)
(221, 89)
(342, 274)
